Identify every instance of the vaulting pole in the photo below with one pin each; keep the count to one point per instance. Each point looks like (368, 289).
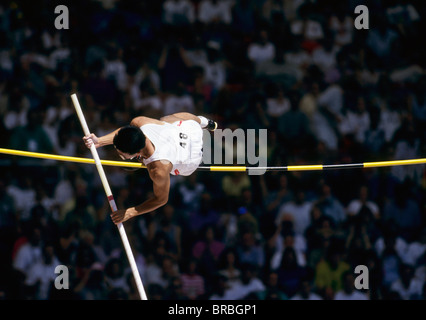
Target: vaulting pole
(110, 200)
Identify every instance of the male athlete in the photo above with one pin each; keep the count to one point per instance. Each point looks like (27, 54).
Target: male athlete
(171, 145)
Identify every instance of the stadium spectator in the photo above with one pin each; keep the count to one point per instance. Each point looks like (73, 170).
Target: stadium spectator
(349, 292)
(42, 274)
(305, 291)
(328, 272)
(192, 283)
(407, 286)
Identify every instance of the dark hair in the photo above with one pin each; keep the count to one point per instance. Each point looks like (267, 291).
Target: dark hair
(129, 139)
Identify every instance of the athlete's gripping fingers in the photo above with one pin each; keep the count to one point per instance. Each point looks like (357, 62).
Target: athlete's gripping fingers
(88, 141)
(91, 139)
(118, 216)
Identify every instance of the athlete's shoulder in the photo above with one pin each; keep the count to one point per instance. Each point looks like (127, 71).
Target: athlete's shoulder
(142, 120)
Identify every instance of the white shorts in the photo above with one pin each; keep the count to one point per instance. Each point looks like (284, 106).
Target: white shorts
(191, 147)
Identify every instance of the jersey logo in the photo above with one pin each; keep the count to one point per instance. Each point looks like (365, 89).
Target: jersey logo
(177, 172)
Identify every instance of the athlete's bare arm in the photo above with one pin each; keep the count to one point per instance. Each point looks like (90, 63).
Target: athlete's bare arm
(99, 141)
(109, 138)
(159, 172)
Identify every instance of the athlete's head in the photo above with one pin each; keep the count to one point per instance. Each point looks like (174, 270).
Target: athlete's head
(129, 139)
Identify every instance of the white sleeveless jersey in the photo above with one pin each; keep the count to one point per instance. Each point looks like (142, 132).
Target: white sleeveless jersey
(180, 143)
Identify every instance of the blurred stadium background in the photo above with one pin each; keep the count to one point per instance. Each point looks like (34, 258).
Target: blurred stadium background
(327, 93)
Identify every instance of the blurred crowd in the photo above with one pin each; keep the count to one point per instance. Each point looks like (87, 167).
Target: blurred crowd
(327, 93)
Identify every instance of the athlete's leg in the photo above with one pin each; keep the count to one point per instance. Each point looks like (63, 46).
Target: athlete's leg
(170, 119)
(180, 116)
